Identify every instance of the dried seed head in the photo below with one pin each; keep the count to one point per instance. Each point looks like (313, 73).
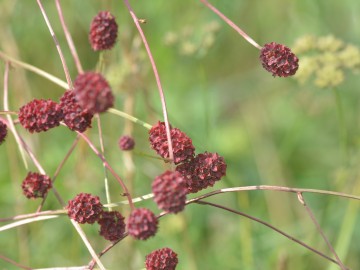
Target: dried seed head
(202, 171)
(170, 191)
(85, 208)
(36, 185)
(3, 132)
(161, 259)
(103, 31)
(126, 143)
(279, 60)
(75, 117)
(40, 115)
(142, 224)
(93, 92)
(112, 225)
(182, 145)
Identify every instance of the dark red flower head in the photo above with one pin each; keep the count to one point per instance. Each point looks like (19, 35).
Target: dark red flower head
(3, 132)
(279, 60)
(126, 143)
(75, 117)
(161, 259)
(85, 208)
(112, 225)
(103, 31)
(93, 92)
(170, 191)
(202, 171)
(36, 185)
(182, 145)
(40, 115)
(142, 224)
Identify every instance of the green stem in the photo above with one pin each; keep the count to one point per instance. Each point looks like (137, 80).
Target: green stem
(129, 117)
(150, 156)
(36, 70)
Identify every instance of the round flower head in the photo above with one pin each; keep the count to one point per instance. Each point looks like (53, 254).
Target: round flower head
(75, 117)
(182, 145)
(202, 171)
(126, 143)
(112, 225)
(93, 92)
(40, 115)
(85, 208)
(170, 191)
(142, 224)
(36, 185)
(103, 31)
(161, 259)
(279, 60)
(3, 132)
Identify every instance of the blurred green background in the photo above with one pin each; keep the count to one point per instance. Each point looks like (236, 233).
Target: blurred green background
(271, 131)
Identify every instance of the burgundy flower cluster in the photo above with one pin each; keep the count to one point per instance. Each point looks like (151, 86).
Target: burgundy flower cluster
(279, 60)
(200, 171)
(161, 259)
(103, 31)
(3, 132)
(92, 94)
(87, 208)
(36, 185)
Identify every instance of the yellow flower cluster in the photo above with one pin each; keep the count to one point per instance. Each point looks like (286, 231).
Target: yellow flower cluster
(325, 60)
(188, 43)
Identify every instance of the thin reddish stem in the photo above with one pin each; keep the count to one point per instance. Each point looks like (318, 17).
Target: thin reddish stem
(14, 263)
(69, 38)
(92, 263)
(97, 152)
(271, 227)
(157, 77)
(59, 168)
(62, 58)
(313, 219)
(232, 24)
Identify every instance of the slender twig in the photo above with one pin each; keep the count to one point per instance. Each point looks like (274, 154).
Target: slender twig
(249, 188)
(59, 168)
(87, 244)
(10, 120)
(32, 215)
(313, 219)
(61, 55)
(117, 177)
(14, 263)
(69, 38)
(92, 263)
(134, 200)
(232, 24)
(106, 180)
(141, 154)
(35, 70)
(157, 77)
(25, 221)
(276, 188)
(8, 112)
(129, 117)
(269, 226)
